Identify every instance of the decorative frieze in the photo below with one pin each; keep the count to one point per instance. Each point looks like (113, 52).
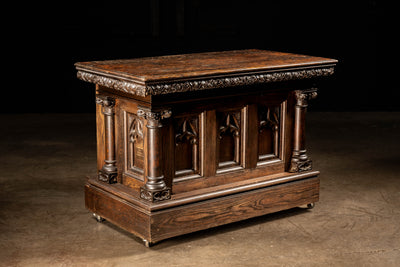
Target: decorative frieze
(131, 87)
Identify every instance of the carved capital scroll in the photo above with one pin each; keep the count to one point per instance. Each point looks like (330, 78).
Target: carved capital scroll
(303, 96)
(155, 188)
(300, 161)
(108, 173)
(154, 115)
(105, 101)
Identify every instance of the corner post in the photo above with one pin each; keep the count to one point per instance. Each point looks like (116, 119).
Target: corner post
(155, 188)
(108, 173)
(300, 161)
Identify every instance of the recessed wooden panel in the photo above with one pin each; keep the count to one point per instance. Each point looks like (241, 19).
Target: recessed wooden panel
(187, 146)
(269, 124)
(134, 146)
(229, 138)
(100, 137)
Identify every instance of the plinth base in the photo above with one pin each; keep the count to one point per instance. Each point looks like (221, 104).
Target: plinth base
(181, 215)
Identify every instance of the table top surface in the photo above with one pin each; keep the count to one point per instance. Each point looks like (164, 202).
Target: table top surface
(140, 73)
(202, 64)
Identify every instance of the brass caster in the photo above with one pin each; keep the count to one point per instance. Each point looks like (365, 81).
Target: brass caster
(147, 243)
(98, 217)
(310, 205)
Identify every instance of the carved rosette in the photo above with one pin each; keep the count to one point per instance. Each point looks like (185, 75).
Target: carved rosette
(131, 87)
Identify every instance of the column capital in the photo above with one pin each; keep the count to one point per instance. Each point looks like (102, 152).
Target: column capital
(154, 115)
(303, 96)
(105, 101)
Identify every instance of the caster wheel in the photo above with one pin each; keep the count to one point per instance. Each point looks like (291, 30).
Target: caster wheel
(147, 243)
(310, 205)
(98, 217)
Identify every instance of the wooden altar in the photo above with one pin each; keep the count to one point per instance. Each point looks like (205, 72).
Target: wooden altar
(189, 142)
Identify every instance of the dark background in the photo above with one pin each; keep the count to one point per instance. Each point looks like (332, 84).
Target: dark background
(46, 39)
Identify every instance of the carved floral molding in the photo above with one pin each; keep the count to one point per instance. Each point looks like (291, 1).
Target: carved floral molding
(178, 87)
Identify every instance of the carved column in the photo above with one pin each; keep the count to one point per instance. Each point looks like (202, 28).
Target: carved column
(155, 188)
(300, 161)
(109, 171)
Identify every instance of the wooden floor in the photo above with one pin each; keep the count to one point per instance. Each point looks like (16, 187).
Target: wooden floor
(43, 221)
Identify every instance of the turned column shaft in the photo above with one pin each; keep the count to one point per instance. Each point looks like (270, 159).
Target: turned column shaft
(300, 161)
(155, 188)
(109, 138)
(108, 173)
(154, 160)
(195, 155)
(299, 128)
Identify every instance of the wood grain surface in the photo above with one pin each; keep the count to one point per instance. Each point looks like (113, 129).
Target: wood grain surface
(201, 64)
(170, 222)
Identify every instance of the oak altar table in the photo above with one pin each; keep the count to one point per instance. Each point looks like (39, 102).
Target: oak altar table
(189, 142)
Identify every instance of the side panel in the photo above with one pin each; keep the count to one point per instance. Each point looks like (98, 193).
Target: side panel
(117, 211)
(100, 137)
(211, 213)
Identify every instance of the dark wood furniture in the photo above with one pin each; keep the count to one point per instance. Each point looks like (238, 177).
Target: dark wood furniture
(189, 142)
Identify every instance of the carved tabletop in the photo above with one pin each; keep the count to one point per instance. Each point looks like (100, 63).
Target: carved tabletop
(201, 71)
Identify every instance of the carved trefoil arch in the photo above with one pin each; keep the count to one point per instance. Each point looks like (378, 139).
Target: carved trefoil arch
(269, 118)
(134, 161)
(229, 139)
(187, 147)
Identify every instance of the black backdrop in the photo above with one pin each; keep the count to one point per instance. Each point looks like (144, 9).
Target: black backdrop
(53, 36)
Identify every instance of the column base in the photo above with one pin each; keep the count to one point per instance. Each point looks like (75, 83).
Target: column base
(298, 165)
(107, 177)
(155, 195)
